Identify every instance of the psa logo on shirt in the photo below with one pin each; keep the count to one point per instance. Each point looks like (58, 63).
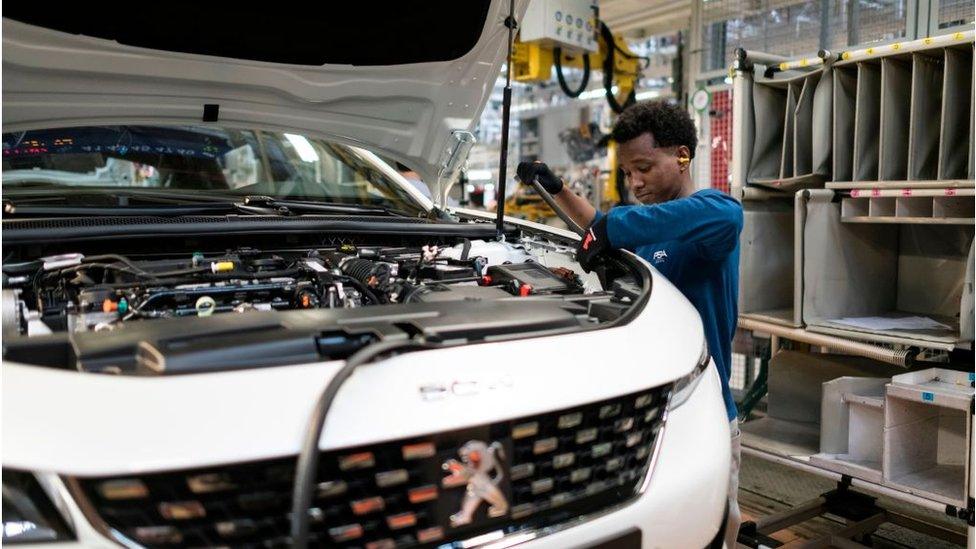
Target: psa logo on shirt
(660, 256)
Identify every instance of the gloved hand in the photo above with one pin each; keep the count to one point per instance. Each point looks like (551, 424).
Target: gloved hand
(595, 242)
(527, 171)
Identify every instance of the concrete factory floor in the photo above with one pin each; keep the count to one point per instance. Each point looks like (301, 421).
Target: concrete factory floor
(767, 488)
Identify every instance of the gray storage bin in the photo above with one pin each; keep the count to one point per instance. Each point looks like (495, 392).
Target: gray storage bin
(867, 121)
(896, 95)
(768, 106)
(927, 434)
(904, 119)
(789, 123)
(926, 112)
(818, 112)
(766, 262)
(791, 128)
(844, 97)
(956, 128)
(884, 271)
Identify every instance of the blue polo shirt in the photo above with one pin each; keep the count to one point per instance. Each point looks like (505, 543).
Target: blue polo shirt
(694, 242)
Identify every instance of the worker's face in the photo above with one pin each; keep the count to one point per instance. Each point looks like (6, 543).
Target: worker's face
(654, 174)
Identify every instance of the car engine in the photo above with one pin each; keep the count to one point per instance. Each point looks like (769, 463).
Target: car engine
(91, 293)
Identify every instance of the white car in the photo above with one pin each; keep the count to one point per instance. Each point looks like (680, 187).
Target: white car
(219, 307)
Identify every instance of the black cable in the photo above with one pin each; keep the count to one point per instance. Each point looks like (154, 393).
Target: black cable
(608, 66)
(557, 58)
(308, 458)
(96, 260)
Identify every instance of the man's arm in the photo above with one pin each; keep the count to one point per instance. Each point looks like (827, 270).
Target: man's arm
(712, 220)
(577, 207)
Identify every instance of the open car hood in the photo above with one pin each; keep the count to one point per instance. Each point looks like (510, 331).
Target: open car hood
(404, 85)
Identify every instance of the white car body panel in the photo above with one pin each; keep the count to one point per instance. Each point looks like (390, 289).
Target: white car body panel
(681, 505)
(214, 418)
(55, 79)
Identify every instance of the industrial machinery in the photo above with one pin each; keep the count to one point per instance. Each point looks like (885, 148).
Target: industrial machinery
(565, 34)
(569, 34)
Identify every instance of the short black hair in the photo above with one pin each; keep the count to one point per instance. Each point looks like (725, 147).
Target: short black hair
(668, 123)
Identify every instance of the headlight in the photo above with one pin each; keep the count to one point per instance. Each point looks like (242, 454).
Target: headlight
(684, 387)
(28, 514)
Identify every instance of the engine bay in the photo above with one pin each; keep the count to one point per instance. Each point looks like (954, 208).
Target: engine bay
(172, 310)
(93, 293)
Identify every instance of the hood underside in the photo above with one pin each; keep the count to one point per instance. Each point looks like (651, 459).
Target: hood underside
(396, 83)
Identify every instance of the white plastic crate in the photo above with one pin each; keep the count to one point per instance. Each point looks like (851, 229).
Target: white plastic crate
(927, 434)
(852, 427)
(795, 404)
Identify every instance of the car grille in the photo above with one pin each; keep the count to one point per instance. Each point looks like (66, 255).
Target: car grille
(556, 467)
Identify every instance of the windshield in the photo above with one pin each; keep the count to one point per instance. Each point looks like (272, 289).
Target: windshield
(205, 160)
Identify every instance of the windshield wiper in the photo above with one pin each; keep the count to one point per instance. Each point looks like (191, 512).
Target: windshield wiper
(37, 192)
(288, 207)
(173, 203)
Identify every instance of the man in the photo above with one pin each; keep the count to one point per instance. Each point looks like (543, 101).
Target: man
(691, 237)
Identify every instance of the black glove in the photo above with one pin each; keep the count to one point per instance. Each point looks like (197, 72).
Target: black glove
(595, 242)
(529, 171)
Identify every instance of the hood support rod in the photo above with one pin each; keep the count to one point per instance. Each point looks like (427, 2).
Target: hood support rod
(506, 115)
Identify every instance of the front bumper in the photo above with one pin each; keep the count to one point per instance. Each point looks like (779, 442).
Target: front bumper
(681, 502)
(132, 425)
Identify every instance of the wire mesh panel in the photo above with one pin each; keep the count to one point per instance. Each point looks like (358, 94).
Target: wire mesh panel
(954, 13)
(794, 29)
(877, 21)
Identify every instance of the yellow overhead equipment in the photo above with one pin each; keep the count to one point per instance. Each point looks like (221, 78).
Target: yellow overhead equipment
(533, 62)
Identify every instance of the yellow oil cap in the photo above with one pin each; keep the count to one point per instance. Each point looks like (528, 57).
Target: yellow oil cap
(222, 266)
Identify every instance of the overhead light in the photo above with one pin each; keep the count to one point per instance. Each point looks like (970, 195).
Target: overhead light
(304, 149)
(593, 94)
(650, 94)
(479, 175)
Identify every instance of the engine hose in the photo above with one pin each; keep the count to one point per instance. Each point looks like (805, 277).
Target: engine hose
(363, 289)
(557, 58)
(608, 67)
(366, 271)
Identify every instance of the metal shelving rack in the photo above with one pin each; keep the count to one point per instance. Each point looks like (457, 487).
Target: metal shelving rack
(856, 175)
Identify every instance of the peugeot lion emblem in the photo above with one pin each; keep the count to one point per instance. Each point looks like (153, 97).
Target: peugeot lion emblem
(479, 462)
